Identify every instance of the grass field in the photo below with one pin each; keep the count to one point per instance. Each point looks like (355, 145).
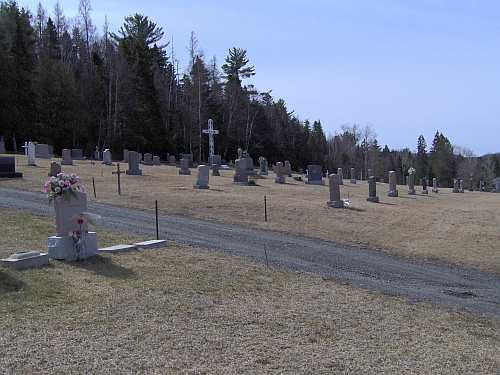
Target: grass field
(186, 310)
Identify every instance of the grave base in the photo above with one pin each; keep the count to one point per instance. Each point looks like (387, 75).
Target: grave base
(11, 174)
(392, 193)
(65, 248)
(150, 163)
(107, 163)
(240, 183)
(251, 172)
(134, 173)
(318, 182)
(411, 191)
(335, 204)
(185, 171)
(352, 180)
(216, 174)
(201, 187)
(456, 191)
(341, 182)
(67, 162)
(280, 180)
(425, 191)
(263, 173)
(372, 199)
(27, 259)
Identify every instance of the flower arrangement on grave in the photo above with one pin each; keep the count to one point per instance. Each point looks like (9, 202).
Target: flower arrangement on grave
(262, 160)
(63, 185)
(411, 170)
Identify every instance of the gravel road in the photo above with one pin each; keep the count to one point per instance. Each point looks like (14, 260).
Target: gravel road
(439, 283)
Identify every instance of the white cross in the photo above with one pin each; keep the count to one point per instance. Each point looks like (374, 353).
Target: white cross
(210, 131)
(25, 146)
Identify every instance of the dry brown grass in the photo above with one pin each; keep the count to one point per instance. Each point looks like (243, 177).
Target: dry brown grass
(183, 310)
(461, 229)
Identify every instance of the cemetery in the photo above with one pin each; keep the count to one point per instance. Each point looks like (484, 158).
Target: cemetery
(124, 286)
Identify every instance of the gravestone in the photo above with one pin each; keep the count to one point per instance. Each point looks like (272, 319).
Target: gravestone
(392, 192)
(353, 176)
(215, 170)
(72, 240)
(140, 157)
(25, 146)
(315, 175)
(97, 155)
(481, 185)
(202, 177)
(8, 167)
(133, 164)
(456, 185)
(471, 184)
(287, 169)
(156, 161)
(51, 151)
(2, 145)
(55, 169)
(77, 154)
(300, 170)
(125, 156)
(26, 259)
(171, 161)
(372, 190)
(106, 157)
(280, 173)
(184, 164)
(435, 185)
(66, 157)
(333, 184)
(42, 151)
(240, 172)
(424, 186)
(148, 159)
(341, 176)
(217, 159)
(14, 144)
(461, 187)
(249, 167)
(189, 157)
(210, 131)
(31, 154)
(411, 183)
(263, 168)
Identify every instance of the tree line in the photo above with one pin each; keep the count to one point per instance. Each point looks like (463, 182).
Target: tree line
(65, 85)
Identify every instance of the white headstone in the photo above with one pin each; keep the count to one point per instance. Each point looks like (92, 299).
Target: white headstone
(31, 154)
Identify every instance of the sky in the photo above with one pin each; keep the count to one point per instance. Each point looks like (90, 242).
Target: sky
(408, 68)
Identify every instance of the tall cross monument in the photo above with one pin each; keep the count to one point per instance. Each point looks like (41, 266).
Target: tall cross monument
(210, 131)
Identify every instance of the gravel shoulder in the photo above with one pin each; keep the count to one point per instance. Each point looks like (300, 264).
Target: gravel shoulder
(432, 282)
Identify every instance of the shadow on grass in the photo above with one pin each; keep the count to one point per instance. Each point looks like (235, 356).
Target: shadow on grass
(9, 284)
(354, 209)
(387, 204)
(104, 266)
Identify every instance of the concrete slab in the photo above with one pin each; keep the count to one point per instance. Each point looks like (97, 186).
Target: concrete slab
(27, 259)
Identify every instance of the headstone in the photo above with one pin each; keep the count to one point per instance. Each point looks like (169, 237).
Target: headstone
(42, 151)
(300, 170)
(8, 167)
(189, 157)
(456, 185)
(31, 154)
(156, 161)
(51, 151)
(217, 159)
(140, 157)
(106, 157)
(435, 185)
(14, 144)
(372, 190)
(55, 169)
(171, 161)
(133, 164)
(287, 169)
(215, 170)
(471, 188)
(66, 221)
(148, 159)
(392, 192)
(2, 145)
(240, 153)
(202, 177)
(240, 172)
(26, 259)
(424, 186)
(315, 175)
(263, 169)
(280, 173)
(461, 187)
(184, 164)
(77, 154)
(25, 146)
(97, 155)
(481, 185)
(353, 176)
(333, 184)
(66, 157)
(125, 156)
(411, 183)
(249, 167)
(341, 176)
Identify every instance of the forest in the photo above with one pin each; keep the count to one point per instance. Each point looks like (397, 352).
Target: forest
(65, 85)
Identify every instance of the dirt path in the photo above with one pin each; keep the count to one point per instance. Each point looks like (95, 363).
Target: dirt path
(451, 286)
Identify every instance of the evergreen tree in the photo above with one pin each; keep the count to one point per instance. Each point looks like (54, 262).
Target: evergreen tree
(422, 161)
(442, 160)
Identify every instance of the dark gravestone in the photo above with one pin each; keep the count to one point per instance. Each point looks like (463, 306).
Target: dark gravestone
(353, 176)
(335, 201)
(215, 170)
(315, 175)
(189, 157)
(148, 159)
(66, 157)
(55, 168)
(184, 164)
(393, 192)
(133, 164)
(372, 190)
(77, 154)
(8, 167)
(424, 186)
(411, 184)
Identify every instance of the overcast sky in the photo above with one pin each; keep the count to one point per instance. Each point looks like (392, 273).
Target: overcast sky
(407, 67)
